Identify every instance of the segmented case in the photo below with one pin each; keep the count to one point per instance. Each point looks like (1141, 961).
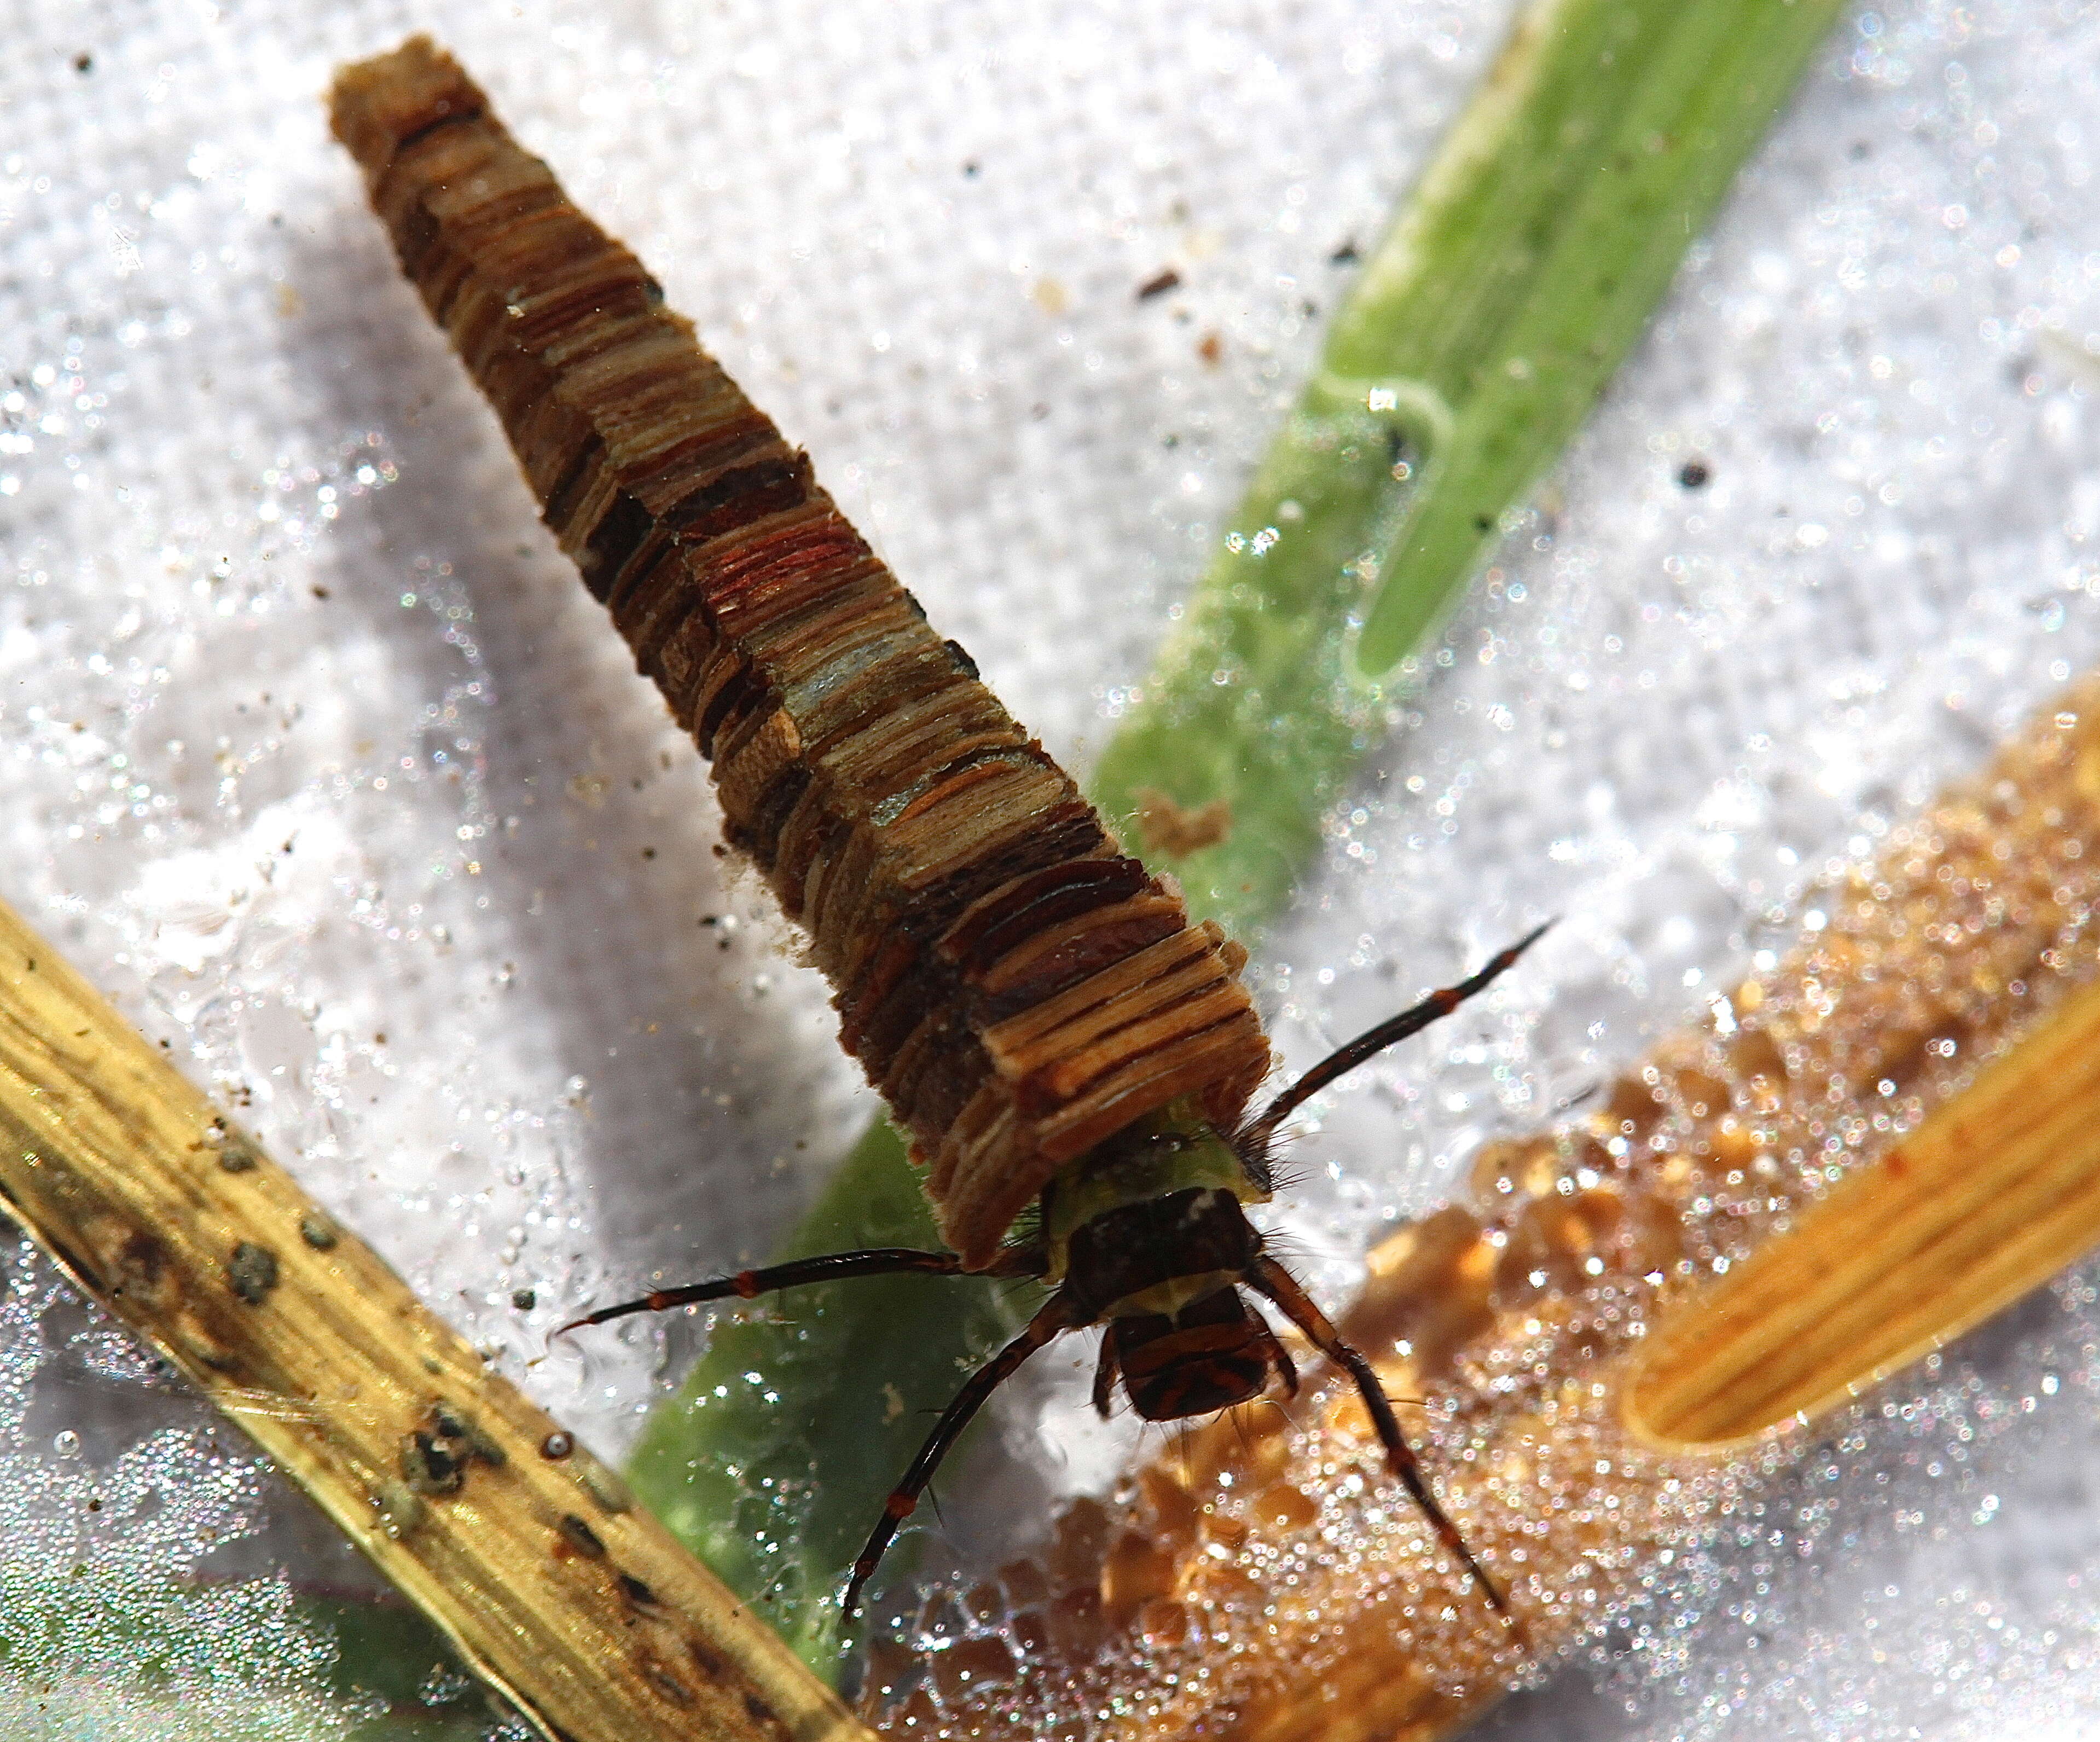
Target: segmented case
(1015, 986)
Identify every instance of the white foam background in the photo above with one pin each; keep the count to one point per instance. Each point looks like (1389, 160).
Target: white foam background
(315, 756)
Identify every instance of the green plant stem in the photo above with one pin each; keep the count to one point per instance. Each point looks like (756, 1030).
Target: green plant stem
(772, 1460)
(1514, 281)
(1510, 286)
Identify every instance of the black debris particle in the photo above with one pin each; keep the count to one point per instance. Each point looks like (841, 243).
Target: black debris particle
(524, 1299)
(634, 1590)
(429, 1464)
(318, 1231)
(960, 655)
(253, 1271)
(1346, 255)
(667, 1684)
(1482, 522)
(237, 1153)
(139, 1263)
(83, 64)
(462, 1430)
(434, 1456)
(1694, 475)
(972, 169)
(581, 1537)
(1159, 283)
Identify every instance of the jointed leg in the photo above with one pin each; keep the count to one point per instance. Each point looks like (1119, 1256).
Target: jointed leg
(1056, 1316)
(746, 1285)
(1269, 1278)
(1346, 1058)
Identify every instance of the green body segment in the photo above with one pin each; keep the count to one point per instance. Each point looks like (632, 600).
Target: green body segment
(1174, 1150)
(1517, 276)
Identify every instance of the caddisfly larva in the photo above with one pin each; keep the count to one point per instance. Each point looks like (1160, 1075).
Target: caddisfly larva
(1045, 1023)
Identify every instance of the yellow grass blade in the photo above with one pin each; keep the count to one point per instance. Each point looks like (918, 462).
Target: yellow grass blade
(520, 1547)
(1996, 1193)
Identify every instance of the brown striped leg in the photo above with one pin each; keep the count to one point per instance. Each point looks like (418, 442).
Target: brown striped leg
(1057, 1316)
(1344, 1059)
(748, 1285)
(1269, 1278)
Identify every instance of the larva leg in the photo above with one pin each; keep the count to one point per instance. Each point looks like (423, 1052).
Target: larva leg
(1056, 1317)
(1368, 1045)
(748, 1284)
(1269, 1278)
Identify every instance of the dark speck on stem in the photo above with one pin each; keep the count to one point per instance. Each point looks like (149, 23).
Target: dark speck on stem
(253, 1271)
(581, 1536)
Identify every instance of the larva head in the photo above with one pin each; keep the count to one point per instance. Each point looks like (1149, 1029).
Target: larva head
(1148, 1236)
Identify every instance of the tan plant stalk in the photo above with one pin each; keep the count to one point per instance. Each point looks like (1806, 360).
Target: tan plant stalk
(523, 1549)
